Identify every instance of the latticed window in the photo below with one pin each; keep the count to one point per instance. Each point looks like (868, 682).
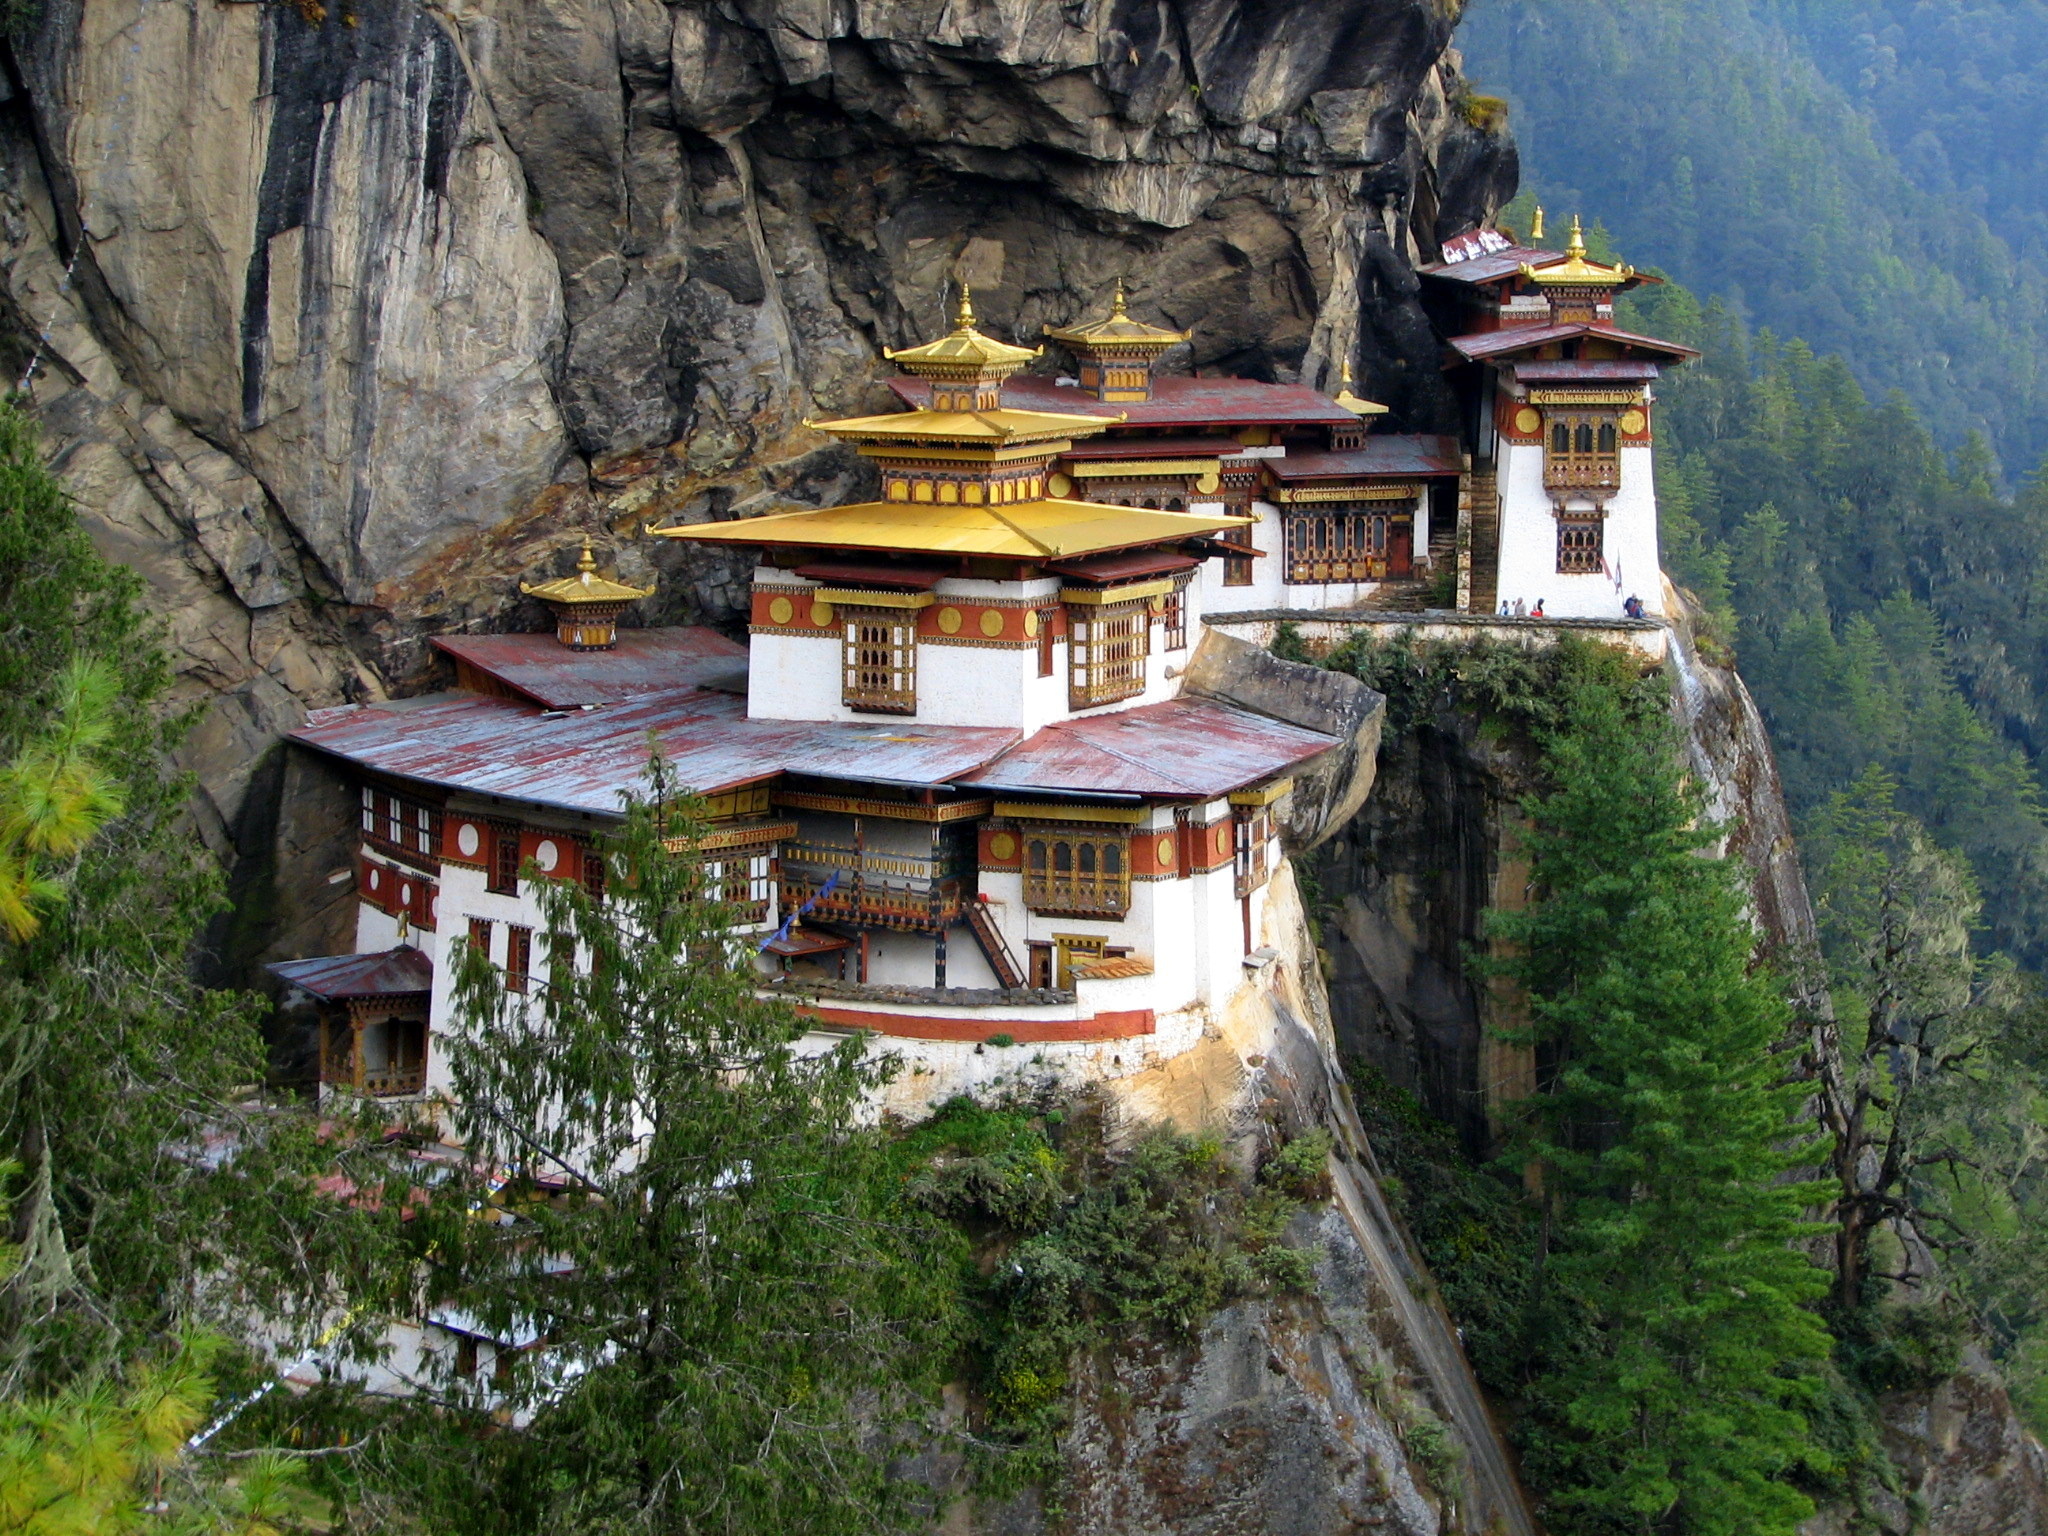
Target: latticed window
(880, 661)
(1252, 828)
(1579, 544)
(744, 879)
(1106, 651)
(1336, 544)
(504, 863)
(593, 873)
(1173, 621)
(1583, 452)
(407, 826)
(518, 958)
(1077, 871)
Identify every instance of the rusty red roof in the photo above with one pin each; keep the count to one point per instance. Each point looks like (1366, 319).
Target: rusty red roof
(1122, 567)
(1521, 338)
(1492, 266)
(912, 578)
(592, 760)
(1182, 749)
(399, 972)
(1402, 456)
(1135, 447)
(541, 668)
(1585, 370)
(1177, 401)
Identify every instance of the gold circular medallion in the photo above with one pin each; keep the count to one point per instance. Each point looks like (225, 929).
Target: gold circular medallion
(1031, 625)
(1166, 853)
(1209, 481)
(1002, 846)
(1633, 422)
(1156, 602)
(1528, 421)
(991, 622)
(781, 611)
(1059, 485)
(821, 614)
(949, 620)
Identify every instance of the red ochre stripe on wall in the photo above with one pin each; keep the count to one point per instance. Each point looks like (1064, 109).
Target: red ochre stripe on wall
(913, 1026)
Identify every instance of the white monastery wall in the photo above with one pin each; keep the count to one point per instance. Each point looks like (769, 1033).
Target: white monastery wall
(1528, 540)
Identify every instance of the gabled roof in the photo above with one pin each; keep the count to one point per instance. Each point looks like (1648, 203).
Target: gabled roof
(400, 972)
(1395, 456)
(1495, 266)
(1116, 329)
(541, 668)
(1182, 749)
(1177, 401)
(1510, 339)
(592, 760)
(1025, 530)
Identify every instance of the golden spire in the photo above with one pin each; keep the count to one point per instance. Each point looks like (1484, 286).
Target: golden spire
(1536, 228)
(963, 317)
(1353, 403)
(1116, 305)
(586, 586)
(1576, 246)
(1576, 270)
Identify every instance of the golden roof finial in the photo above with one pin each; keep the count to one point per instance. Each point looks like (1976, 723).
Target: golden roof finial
(1350, 401)
(963, 317)
(1577, 245)
(586, 586)
(1116, 305)
(1345, 376)
(1536, 228)
(588, 562)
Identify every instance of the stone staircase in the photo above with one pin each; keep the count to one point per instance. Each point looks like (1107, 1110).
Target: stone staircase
(1479, 511)
(1397, 597)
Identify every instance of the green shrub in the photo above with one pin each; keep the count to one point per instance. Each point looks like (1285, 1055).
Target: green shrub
(1301, 1168)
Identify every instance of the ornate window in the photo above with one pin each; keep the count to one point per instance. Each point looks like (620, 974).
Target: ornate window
(518, 958)
(1106, 651)
(1335, 544)
(1173, 621)
(1579, 543)
(744, 879)
(879, 656)
(1047, 618)
(480, 936)
(504, 877)
(1583, 453)
(593, 873)
(1237, 569)
(1077, 871)
(1252, 844)
(404, 826)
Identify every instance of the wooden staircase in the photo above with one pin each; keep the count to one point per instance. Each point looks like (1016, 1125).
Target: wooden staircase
(1000, 960)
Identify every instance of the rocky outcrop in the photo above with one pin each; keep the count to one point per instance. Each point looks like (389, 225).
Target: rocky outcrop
(348, 312)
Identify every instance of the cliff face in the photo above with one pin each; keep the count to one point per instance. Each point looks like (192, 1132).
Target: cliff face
(372, 307)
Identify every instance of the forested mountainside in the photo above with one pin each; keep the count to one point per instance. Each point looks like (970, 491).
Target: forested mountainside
(1856, 175)
(1838, 509)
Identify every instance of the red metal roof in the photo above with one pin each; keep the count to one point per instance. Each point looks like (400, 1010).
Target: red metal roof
(1122, 567)
(1177, 401)
(1395, 456)
(1493, 266)
(1585, 370)
(644, 661)
(591, 760)
(1152, 448)
(1526, 338)
(398, 972)
(1184, 748)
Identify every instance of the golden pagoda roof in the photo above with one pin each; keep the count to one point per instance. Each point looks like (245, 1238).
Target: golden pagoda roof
(1355, 404)
(996, 427)
(1575, 271)
(1025, 530)
(1119, 329)
(963, 348)
(586, 586)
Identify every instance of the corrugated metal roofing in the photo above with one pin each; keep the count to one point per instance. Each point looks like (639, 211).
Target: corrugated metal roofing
(389, 973)
(1177, 401)
(1396, 455)
(1024, 530)
(1143, 562)
(1184, 748)
(644, 661)
(1491, 266)
(1516, 338)
(1587, 370)
(592, 760)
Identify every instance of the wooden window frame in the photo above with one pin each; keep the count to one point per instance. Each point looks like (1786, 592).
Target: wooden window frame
(1096, 881)
(518, 958)
(1251, 848)
(1339, 542)
(592, 872)
(1582, 451)
(1048, 621)
(878, 672)
(503, 876)
(1237, 569)
(1070, 947)
(401, 825)
(1107, 648)
(751, 866)
(1581, 543)
(1173, 620)
(480, 936)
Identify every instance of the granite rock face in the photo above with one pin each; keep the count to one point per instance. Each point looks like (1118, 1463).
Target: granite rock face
(353, 311)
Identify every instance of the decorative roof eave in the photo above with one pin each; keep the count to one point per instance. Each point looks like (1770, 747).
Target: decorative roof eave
(1576, 271)
(586, 586)
(1034, 531)
(1117, 330)
(969, 428)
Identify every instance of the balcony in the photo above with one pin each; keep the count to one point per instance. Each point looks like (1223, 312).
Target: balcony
(910, 893)
(1597, 475)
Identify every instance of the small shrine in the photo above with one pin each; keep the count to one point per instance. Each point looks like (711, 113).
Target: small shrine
(587, 606)
(1116, 355)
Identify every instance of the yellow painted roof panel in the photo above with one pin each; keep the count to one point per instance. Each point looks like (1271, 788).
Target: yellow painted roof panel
(1025, 530)
(1002, 426)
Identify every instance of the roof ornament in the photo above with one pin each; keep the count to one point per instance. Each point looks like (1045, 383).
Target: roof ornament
(1353, 403)
(1577, 270)
(587, 606)
(1536, 228)
(1576, 246)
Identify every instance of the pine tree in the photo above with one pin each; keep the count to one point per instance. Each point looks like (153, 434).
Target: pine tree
(735, 1309)
(1676, 1344)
